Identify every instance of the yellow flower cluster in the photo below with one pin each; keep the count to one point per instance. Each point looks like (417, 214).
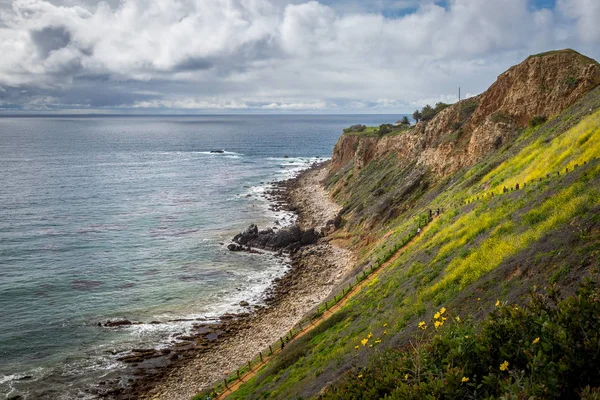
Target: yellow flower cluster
(439, 320)
(464, 379)
(364, 341)
(504, 366)
(422, 325)
(537, 339)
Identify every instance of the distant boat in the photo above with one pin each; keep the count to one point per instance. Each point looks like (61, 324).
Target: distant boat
(218, 151)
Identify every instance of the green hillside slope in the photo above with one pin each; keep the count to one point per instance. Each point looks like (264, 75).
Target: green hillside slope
(490, 246)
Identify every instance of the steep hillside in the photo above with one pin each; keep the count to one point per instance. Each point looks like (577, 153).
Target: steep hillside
(519, 209)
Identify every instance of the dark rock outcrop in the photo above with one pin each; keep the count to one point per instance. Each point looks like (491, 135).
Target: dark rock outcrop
(288, 240)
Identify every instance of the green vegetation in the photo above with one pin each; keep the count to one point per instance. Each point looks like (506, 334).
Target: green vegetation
(537, 120)
(486, 245)
(428, 112)
(377, 131)
(546, 349)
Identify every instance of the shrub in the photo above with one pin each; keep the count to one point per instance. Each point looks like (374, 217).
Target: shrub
(571, 81)
(427, 113)
(467, 109)
(537, 120)
(355, 128)
(501, 117)
(417, 115)
(384, 129)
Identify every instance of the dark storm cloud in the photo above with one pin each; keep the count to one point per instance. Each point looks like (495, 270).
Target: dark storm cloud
(49, 39)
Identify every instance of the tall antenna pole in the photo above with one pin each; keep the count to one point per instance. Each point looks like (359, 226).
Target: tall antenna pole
(458, 114)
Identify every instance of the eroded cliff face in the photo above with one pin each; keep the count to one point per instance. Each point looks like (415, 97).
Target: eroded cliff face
(461, 135)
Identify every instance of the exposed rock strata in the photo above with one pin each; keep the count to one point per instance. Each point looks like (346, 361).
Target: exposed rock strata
(541, 85)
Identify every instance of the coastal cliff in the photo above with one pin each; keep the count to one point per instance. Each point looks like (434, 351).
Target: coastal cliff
(464, 133)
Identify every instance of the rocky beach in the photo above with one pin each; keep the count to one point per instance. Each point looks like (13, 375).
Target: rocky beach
(215, 348)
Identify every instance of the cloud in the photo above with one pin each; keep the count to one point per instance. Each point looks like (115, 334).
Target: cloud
(249, 54)
(319, 105)
(191, 104)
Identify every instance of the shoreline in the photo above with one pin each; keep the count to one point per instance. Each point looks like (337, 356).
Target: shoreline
(215, 349)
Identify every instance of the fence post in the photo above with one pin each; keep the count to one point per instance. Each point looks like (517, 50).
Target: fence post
(249, 366)
(260, 355)
(270, 350)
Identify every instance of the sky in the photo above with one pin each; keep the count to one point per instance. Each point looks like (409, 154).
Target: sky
(272, 56)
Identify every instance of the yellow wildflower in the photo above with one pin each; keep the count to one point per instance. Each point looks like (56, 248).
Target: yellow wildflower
(385, 332)
(442, 310)
(378, 341)
(444, 318)
(385, 325)
(364, 341)
(466, 337)
(479, 299)
(370, 345)
(356, 347)
(504, 366)
(406, 376)
(457, 319)
(436, 315)
(464, 379)
(370, 335)
(438, 324)
(497, 303)
(359, 376)
(422, 325)
(537, 339)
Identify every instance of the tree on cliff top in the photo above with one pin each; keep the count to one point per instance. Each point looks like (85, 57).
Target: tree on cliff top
(417, 116)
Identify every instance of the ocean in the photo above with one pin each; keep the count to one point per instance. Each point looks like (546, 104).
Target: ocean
(127, 218)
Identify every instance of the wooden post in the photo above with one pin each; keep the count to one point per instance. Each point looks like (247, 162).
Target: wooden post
(270, 350)
(260, 355)
(225, 382)
(249, 366)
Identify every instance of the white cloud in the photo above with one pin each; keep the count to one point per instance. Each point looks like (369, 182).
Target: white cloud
(319, 105)
(586, 14)
(217, 54)
(192, 104)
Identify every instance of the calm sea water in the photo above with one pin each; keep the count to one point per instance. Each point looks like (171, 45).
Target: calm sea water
(122, 217)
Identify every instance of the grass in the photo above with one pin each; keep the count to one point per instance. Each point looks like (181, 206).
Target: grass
(464, 255)
(549, 155)
(373, 131)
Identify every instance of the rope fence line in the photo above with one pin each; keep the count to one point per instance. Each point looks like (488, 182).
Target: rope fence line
(491, 194)
(221, 390)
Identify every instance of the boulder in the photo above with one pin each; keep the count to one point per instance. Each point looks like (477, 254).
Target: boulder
(235, 247)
